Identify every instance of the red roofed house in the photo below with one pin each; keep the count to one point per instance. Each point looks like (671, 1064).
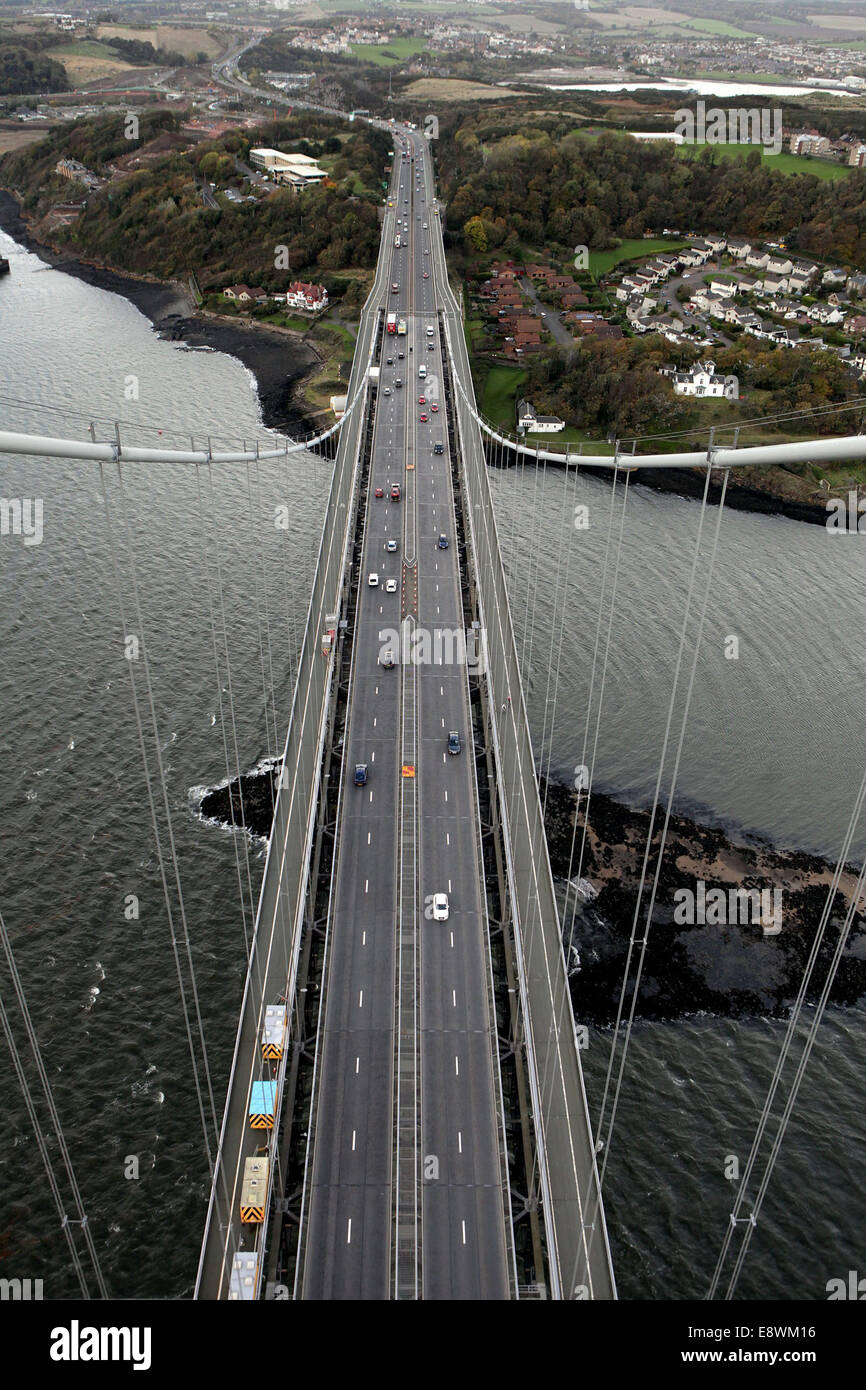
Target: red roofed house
(301, 295)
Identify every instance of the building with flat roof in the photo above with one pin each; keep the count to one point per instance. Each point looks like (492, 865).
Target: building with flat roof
(300, 170)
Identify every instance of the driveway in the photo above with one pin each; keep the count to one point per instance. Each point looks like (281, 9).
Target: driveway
(552, 322)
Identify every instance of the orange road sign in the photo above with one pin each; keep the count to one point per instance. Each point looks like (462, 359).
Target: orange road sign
(408, 770)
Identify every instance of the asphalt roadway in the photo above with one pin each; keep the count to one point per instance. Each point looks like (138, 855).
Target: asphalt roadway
(406, 1193)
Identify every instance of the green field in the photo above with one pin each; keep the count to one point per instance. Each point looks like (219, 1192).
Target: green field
(786, 163)
(600, 262)
(499, 397)
(388, 56)
(718, 26)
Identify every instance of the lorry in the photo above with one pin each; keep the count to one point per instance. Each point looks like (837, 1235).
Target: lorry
(401, 327)
(391, 323)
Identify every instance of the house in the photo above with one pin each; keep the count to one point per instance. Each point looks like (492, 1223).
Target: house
(856, 285)
(779, 265)
(855, 324)
(715, 242)
(835, 278)
(529, 420)
(825, 313)
(242, 293)
(774, 284)
(703, 380)
(757, 260)
(301, 295)
(811, 143)
(739, 247)
(725, 289)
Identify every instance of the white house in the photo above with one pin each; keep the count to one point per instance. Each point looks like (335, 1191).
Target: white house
(757, 260)
(775, 284)
(301, 295)
(703, 380)
(779, 265)
(825, 313)
(533, 423)
(739, 247)
(725, 289)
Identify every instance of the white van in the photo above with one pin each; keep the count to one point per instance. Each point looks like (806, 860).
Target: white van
(430, 330)
(422, 371)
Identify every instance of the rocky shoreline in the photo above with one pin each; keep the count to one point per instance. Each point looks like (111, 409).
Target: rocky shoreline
(277, 358)
(732, 970)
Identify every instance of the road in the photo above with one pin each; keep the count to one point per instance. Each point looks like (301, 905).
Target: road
(405, 1193)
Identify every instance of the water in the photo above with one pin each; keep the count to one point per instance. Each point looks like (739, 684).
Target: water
(704, 88)
(774, 746)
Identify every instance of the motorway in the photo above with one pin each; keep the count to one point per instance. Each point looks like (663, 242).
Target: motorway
(405, 1193)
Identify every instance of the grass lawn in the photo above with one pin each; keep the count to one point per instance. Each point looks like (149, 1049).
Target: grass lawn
(600, 262)
(499, 396)
(388, 55)
(718, 26)
(787, 163)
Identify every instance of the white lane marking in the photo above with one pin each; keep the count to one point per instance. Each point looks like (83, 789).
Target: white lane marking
(441, 690)
(449, 885)
(353, 1140)
(368, 832)
(459, 1141)
(446, 796)
(349, 1233)
(363, 938)
(371, 796)
(452, 940)
(456, 1065)
(366, 885)
(372, 757)
(361, 999)
(357, 1065)
(454, 999)
(447, 835)
(463, 1224)
(443, 726)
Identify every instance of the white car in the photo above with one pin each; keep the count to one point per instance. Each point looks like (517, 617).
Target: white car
(390, 586)
(373, 581)
(440, 907)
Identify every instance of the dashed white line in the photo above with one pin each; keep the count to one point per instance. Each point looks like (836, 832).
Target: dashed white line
(459, 1141)
(353, 1140)
(360, 999)
(456, 1065)
(349, 1233)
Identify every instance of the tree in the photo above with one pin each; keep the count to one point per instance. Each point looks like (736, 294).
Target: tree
(476, 236)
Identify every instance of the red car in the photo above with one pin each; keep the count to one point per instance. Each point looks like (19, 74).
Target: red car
(380, 492)
(422, 400)
(395, 493)
(434, 407)
(423, 417)
(426, 276)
